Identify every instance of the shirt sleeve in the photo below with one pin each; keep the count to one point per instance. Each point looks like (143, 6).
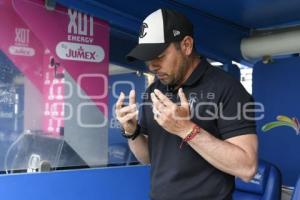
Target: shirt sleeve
(236, 112)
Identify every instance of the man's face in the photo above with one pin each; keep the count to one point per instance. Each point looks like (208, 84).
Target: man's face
(170, 66)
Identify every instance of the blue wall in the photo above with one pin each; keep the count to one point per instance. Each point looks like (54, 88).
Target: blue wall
(276, 85)
(114, 183)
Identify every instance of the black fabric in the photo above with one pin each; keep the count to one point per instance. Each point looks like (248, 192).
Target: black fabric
(182, 173)
(173, 22)
(146, 52)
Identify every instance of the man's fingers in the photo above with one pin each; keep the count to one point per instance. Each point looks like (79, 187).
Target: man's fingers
(128, 117)
(156, 103)
(132, 97)
(163, 98)
(159, 119)
(120, 101)
(154, 98)
(127, 109)
(183, 100)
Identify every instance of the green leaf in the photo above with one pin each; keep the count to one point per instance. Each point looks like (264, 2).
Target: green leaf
(271, 125)
(284, 118)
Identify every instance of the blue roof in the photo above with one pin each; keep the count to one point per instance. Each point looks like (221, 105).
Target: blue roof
(219, 25)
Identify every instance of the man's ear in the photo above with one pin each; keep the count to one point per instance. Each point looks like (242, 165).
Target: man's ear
(187, 45)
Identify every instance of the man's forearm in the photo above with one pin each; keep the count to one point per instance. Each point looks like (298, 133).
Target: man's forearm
(139, 147)
(226, 156)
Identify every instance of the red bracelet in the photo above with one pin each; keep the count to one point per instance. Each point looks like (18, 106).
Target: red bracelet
(196, 130)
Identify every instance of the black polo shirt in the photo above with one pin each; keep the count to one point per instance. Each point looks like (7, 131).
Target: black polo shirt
(215, 99)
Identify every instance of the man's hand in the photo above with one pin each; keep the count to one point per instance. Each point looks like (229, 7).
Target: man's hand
(127, 115)
(173, 118)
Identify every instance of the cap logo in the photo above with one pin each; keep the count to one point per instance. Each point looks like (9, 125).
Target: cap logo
(176, 32)
(142, 30)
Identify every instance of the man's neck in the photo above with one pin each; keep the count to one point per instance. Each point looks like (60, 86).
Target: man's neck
(191, 67)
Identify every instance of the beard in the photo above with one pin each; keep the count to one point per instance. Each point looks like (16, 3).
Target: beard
(177, 77)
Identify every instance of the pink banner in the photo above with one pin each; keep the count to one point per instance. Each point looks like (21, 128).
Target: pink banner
(48, 46)
(78, 42)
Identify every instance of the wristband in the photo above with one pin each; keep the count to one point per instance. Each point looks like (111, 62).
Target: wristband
(133, 135)
(196, 130)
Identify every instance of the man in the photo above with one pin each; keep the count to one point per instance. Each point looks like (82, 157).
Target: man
(193, 130)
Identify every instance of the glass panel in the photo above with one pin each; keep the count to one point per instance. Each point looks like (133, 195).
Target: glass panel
(122, 79)
(58, 90)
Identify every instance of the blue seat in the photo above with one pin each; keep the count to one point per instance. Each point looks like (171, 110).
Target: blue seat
(266, 184)
(296, 193)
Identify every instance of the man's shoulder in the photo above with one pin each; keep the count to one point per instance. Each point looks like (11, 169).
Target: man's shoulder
(222, 75)
(224, 83)
(222, 78)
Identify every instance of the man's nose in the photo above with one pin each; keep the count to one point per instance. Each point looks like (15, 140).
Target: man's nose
(153, 66)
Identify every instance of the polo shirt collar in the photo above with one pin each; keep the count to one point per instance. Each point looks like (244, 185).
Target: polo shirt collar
(197, 73)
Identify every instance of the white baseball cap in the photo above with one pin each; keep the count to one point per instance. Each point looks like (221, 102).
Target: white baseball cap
(158, 30)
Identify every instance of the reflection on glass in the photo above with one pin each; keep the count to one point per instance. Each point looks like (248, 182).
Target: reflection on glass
(57, 95)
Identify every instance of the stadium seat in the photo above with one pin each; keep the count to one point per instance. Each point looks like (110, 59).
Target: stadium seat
(266, 184)
(296, 193)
